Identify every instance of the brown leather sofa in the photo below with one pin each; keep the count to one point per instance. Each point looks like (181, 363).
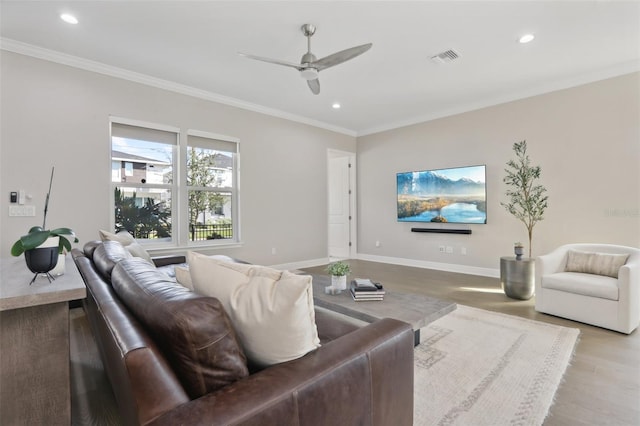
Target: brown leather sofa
(359, 375)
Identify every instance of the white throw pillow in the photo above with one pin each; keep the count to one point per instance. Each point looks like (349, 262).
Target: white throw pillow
(272, 311)
(127, 240)
(183, 277)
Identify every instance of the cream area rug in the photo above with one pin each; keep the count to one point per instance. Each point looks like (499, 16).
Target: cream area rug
(476, 367)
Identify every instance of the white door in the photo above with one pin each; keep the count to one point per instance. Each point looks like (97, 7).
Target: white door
(340, 206)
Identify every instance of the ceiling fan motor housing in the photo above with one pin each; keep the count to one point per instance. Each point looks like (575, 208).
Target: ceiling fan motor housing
(309, 73)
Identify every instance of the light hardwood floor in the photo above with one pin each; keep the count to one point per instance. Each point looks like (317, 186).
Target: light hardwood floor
(601, 386)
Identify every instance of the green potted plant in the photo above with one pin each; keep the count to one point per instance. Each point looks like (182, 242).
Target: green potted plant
(527, 198)
(338, 271)
(38, 235)
(42, 247)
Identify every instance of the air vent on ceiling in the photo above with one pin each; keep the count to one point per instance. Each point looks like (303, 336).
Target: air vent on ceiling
(446, 56)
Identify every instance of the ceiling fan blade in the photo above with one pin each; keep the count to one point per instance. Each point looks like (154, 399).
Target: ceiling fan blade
(271, 61)
(314, 85)
(340, 57)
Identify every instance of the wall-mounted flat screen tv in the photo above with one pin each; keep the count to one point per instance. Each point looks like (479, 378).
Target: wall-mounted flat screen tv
(457, 195)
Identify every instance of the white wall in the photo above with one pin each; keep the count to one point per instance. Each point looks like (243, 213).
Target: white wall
(586, 139)
(57, 115)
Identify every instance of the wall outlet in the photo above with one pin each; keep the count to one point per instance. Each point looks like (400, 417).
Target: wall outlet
(441, 249)
(273, 251)
(463, 251)
(377, 243)
(449, 250)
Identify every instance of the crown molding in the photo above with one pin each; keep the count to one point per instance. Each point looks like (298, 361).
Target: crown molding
(100, 68)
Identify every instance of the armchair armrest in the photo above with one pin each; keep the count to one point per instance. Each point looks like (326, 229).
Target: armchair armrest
(364, 377)
(552, 262)
(548, 264)
(629, 290)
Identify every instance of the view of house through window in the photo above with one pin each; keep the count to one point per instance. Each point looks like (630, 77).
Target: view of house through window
(210, 182)
(145, 193)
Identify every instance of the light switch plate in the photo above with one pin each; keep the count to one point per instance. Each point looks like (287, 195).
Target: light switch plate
(22, 210)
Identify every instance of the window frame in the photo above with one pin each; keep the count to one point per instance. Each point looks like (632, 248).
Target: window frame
(234, 190)
(178, 187)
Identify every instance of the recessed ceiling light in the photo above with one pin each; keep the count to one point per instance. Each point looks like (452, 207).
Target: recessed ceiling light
(526, 38)
(68, 18)
(335, 105)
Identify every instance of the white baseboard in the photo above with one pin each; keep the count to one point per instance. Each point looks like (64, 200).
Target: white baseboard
(301, 265)
(448, 267)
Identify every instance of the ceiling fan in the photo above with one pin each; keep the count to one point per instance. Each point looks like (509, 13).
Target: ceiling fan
(309, 66)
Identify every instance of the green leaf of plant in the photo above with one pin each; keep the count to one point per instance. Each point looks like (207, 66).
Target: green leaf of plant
(17, 249)
(34, 239)
(62, 231)
(64, 244)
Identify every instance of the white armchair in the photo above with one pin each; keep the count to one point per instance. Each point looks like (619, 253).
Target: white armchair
(565, 290)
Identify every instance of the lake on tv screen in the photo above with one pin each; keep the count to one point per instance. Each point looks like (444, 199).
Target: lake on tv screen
(453, 213)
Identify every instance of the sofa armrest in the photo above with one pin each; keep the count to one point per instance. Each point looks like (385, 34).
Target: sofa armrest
(168, 260)
(364, 377)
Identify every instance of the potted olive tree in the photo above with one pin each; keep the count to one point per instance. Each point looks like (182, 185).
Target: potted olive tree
(527, 198)
(42, 247)
(338, 271)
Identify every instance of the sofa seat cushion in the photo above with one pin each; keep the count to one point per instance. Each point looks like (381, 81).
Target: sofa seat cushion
(193, 331)
(582, 283)
(170, 270)
(271, 310)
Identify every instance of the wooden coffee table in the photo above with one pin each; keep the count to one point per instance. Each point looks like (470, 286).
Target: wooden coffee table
(416, 309)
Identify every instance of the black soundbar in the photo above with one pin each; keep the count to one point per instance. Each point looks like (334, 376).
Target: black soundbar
(442, 230)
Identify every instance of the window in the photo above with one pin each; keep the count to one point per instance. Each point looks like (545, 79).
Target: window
(210, 185)
(168, 192)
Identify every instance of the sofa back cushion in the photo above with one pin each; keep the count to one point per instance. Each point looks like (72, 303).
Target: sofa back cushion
(129, 243)
(107, 255)
(606, 264)
(193, 331)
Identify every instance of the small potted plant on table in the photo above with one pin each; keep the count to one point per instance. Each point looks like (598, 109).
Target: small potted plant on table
(338, 271)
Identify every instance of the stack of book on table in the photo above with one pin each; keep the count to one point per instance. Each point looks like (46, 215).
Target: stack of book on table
(363, 289)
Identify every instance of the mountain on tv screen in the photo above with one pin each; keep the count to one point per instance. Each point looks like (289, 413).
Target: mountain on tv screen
(456, 195)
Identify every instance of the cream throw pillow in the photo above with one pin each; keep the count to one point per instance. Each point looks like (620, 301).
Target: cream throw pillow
(595, 263)
(127, 240)
(183, 277)
(272, 311)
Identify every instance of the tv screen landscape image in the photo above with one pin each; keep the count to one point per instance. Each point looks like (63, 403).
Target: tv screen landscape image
(456, 195)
